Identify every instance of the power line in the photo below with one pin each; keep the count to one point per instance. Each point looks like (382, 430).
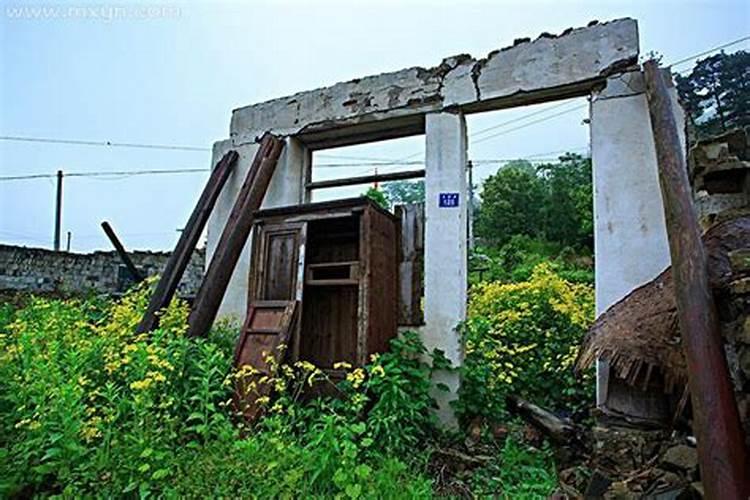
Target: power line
(76, 142)
(126, 173)
(381, 162)
(534, 122)
(724, 46)
(535, 113)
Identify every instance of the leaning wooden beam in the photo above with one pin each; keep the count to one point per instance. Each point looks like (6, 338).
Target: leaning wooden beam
(180, 258)
(366, 179)
(560, 430)
(124, 257)
(234, 236)
(716, 423)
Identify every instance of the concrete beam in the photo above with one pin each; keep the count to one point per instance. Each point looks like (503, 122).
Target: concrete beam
(394, 104)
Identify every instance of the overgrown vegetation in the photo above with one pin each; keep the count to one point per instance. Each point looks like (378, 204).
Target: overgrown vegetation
(89, 408)
(522, 338)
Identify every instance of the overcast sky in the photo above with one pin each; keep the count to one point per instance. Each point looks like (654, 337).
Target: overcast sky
(173, 75)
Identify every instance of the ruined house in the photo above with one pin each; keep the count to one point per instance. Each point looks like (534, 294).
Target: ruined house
(598, 61)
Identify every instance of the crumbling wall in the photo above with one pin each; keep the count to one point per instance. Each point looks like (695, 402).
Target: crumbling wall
(38, 270)
(720, 173)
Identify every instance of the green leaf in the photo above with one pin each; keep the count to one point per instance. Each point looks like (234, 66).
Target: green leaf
(159, 474)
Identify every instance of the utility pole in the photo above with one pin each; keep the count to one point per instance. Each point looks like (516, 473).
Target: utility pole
(716, 423)
(67, 246)
(470, 205)
(58, 210)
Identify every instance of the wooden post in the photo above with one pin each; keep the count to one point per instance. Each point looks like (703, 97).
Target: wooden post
(180, 257)
(124, 257)
(716, 423)
(58, 210)
(234, 236)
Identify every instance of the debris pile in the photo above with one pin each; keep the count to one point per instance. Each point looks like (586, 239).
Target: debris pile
(640, 338)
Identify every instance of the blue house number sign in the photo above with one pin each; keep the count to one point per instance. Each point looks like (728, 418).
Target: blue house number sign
(447, 200)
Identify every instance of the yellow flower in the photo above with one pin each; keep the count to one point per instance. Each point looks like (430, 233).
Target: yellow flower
(378, 370)
(139, 385)
(356, 377)
(341, 365)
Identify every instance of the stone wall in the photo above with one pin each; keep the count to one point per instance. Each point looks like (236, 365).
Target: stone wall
(39, 270)
(720, 172)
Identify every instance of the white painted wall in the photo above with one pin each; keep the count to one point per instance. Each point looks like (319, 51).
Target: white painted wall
(445, 247)
(286, 188)
(630, 237)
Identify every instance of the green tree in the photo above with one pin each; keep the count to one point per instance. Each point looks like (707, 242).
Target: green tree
(716, 93)
(512, 202)
(400, 192)
(568, 205)
(376, 195)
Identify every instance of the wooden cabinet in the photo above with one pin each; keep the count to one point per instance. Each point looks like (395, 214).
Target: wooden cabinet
(339, 260)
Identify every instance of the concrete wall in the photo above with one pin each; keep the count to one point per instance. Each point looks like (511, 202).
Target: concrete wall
(286, 188)
(630, 237)
(38, 270)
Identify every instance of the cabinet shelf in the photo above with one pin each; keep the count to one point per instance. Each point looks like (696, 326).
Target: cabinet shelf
(332, 274)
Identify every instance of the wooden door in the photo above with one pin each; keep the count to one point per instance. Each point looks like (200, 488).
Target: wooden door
(259, 351)
(278, 264)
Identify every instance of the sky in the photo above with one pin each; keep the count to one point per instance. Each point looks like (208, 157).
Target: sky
(170, 73)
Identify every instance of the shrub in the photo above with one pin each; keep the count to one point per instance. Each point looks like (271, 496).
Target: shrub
(90, 408)
(522, 338)
(519, 471)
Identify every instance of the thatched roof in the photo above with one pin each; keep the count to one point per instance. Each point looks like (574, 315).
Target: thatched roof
(639, 334)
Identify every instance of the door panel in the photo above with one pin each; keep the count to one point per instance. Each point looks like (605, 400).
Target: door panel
(278, 257)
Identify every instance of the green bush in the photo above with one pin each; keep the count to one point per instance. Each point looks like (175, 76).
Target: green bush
(90, 408)
(515, 261)
(519, 471)
(522, 338)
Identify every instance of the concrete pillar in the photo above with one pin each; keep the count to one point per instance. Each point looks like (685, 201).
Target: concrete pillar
(445, 245)
(286, 188)
(630, 236)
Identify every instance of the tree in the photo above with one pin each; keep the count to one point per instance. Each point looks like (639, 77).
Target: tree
(568, 205)
(716, 93)
(400, 192)
(552, 202)
(378, 197)
(512, 201)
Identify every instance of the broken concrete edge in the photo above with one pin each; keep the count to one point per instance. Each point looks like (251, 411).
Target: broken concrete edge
(567, 65)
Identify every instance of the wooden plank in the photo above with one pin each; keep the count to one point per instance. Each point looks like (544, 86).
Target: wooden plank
(721, 450)
(234, 236)
(366, 179)
(411, 264)
(183, 251)
(261, 346)
(124, 257)
(382, 282)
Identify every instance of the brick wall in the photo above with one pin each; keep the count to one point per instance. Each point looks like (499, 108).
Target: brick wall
(39, 270)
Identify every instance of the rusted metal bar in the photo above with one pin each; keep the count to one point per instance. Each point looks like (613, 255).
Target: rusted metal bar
(234, 236)
(366, 179)
(716, 423)
(124, 257)
(180, 257)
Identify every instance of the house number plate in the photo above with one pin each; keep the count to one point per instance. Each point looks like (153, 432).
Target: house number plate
(447, 200)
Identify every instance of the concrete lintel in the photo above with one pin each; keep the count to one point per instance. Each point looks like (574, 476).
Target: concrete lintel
(394, 104)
